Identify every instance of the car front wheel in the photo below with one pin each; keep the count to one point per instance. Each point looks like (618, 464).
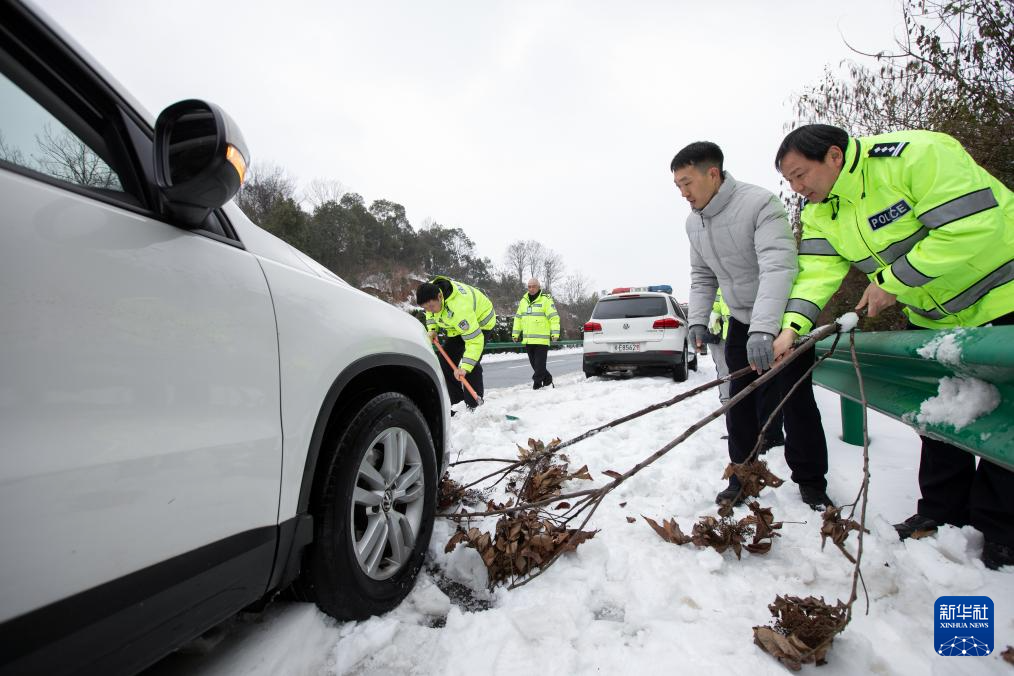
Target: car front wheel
(375, 515)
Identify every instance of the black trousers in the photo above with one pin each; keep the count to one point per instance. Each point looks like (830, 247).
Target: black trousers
(537, 358)
(956, 491)
(455, 349)
(770, 395)
(805, 445)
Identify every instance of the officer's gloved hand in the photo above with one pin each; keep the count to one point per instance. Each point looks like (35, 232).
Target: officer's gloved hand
(760, 350)
(697, 335)
(715, 323)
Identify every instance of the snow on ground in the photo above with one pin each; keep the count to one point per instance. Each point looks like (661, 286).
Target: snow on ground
(627, 602)
(511, 356)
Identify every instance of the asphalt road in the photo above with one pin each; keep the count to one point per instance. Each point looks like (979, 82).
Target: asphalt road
(519, 372)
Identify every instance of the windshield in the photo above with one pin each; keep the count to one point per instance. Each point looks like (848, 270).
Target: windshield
(629, 308)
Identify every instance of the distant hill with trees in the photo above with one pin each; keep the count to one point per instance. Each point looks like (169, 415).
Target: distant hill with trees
(375, 248)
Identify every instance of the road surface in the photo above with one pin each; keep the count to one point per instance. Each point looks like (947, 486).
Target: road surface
(519, 371)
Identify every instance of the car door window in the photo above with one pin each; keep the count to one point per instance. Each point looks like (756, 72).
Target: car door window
(677, 309)
(32, 138)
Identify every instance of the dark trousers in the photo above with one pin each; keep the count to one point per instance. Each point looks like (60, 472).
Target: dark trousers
(767, 401)
(956, 491)
(805, 445)
(537, 358)
(455, 349)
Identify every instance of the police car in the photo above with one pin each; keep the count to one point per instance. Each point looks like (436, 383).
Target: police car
(633, 328)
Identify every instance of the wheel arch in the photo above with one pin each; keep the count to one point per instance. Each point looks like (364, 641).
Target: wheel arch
(359, 382)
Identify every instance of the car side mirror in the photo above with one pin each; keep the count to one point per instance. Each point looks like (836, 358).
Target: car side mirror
(200, 160)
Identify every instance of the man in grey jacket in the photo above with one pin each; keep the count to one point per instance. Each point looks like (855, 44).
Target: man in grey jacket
(740, 240)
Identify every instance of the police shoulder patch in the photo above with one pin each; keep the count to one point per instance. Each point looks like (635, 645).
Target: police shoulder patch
(888, 149)
(463, 325)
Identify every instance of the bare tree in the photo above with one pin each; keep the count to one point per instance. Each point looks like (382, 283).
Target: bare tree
(536, 257)
(64, 156)
(265, 185)
(952, 71)
(10, 153)
(574, 288)
(552, 269)
(321, 191)
(516, 260)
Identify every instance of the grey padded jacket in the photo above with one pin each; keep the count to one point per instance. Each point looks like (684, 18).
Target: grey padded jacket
(741, 241)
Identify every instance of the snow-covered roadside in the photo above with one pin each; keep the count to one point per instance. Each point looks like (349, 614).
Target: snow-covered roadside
(512, 356)
(628, 603)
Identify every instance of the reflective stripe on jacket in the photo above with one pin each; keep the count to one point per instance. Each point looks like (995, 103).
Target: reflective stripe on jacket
(467, 312)
(536, 320)
(915, 213)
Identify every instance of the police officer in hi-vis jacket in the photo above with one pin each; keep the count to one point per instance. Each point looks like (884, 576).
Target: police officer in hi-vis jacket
(536, 324)
(463, 313)
(934, 232)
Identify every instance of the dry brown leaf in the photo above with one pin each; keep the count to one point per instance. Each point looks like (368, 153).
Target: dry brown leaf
(521, 543)
(1008, 655)
(631, 519)
(668, 531)
(803, 630)
(623, 504)
(837, 529)
(612, 474)
(920, 534)
(753, 476)
(725, 533)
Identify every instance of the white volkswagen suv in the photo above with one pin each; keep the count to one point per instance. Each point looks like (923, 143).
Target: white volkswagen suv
(635, 328)
(193, 414)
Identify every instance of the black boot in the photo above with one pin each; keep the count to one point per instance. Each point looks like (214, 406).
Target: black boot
(917, 523)
(731, 493)
(537, 385)
(995, 555)
(815, 497)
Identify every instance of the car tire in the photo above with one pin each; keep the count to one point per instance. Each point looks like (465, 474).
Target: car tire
(374, 518)
(693, 362)
(680, 371)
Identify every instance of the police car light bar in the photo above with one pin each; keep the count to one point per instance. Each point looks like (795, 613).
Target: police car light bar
(659, 288)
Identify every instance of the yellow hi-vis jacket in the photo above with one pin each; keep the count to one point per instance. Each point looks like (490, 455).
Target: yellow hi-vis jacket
(466, 313)
(537, 320)
(913, 211)
(720, 313)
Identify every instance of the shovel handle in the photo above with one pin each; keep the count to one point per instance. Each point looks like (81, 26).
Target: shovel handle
(465, 383)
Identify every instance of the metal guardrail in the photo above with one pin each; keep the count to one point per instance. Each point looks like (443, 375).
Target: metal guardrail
(493, 348)
(898, 380)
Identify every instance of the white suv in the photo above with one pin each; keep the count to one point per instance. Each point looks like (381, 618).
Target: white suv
(193, 414)
(638, 328)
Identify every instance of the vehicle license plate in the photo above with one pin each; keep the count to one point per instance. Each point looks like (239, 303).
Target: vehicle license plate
(628, 347)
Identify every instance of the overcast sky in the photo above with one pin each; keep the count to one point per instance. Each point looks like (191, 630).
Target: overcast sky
(547, 120)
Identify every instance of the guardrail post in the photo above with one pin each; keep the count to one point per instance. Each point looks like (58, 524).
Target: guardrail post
(851, 422)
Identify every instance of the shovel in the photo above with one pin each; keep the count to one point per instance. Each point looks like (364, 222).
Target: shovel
(464, 383)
